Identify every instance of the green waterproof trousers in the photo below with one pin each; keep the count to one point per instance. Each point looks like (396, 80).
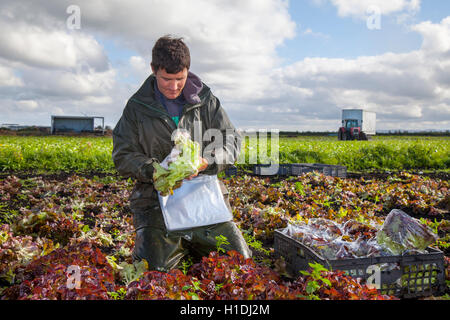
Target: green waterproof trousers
(163, 250)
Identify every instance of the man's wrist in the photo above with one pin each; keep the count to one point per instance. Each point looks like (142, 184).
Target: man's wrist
(148, 170)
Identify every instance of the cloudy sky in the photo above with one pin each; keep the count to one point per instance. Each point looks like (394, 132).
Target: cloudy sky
(274, 64)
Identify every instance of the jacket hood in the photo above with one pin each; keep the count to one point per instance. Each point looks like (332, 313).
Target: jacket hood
(192, 88)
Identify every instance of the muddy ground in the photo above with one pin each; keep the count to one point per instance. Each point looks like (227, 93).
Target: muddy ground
(380, 175)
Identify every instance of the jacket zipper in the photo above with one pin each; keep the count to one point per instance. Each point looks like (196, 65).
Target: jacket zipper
(186, 110)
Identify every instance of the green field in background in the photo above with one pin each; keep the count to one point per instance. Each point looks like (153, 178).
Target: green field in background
(78, 154)
(53, 153)
(382, 152)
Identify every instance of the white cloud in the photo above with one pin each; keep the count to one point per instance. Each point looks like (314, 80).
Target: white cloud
(26, 105)
(309, 32)
(48, 48)
(229, 40)
(233, 43)
(436, 36)
(233, 46)
(360, 8)
(50, 67)
(140, 67)
(69, 84)
(409, 89)
(8, 78)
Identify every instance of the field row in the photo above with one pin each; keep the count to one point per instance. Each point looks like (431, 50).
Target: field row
(78, 154)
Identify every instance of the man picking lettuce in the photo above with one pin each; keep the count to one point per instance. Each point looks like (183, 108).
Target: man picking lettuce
(172, 99)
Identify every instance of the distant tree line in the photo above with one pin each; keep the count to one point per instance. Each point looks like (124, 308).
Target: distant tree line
(414, 133)
(45, 131)
(383, 133)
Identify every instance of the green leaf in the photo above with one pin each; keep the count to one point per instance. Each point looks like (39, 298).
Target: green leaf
(326, 281)
(312, 287)
(133, 272)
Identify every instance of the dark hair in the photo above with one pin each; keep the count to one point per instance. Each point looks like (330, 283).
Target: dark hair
(170, 54)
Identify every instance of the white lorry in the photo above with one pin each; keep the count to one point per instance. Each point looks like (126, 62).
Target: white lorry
(357, 124)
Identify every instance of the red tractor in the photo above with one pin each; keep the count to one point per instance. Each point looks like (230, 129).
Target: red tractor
(351, 131)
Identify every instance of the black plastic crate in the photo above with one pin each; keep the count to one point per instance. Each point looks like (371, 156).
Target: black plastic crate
(284, 170)
(412, 276)
(296, 169)
(330, 170)
(263, 170)
(231, 171)
(266, 170)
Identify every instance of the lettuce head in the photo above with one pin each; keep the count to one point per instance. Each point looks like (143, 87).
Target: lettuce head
(183, 162)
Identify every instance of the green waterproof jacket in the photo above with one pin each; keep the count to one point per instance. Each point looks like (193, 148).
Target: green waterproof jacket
(143, 135)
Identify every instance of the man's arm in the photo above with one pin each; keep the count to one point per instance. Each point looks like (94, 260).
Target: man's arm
(128, 156)
(224, 152)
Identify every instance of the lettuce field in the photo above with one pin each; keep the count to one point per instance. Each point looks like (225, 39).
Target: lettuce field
(63, 208)
(78, 154)
(382, 153)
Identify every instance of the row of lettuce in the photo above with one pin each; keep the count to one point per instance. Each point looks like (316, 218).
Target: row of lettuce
(49, 154)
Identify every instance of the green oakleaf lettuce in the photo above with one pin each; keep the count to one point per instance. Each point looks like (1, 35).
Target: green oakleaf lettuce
(183, 162)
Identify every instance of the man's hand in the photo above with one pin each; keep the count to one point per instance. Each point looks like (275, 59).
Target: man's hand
(202, 168)
(204, 165)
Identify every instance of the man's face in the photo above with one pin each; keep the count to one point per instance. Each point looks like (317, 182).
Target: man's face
(171, 84)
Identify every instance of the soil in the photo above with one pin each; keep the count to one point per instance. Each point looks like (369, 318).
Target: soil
(381, 175)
